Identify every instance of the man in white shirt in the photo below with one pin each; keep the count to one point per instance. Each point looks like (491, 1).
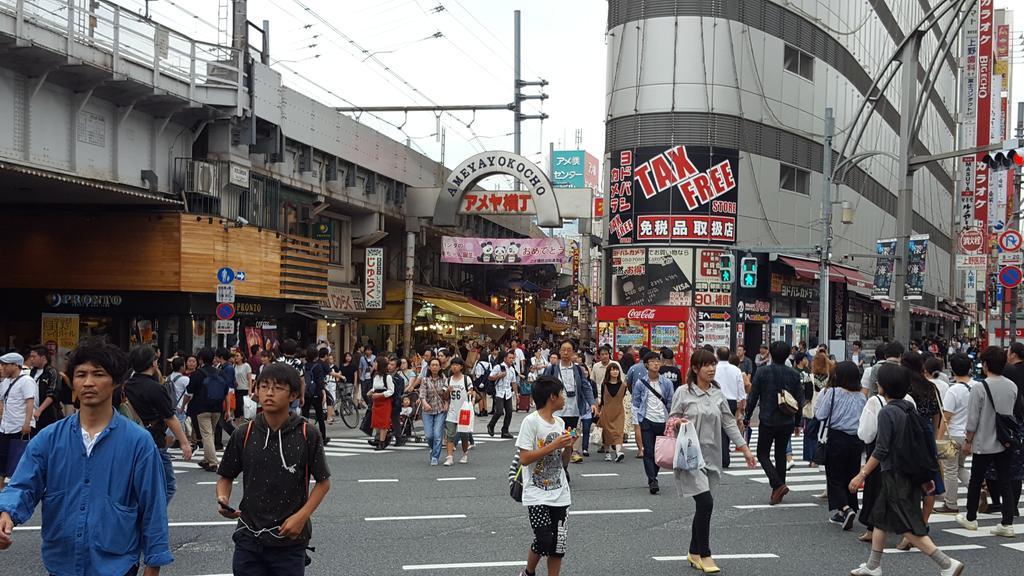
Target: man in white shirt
(506, 385)
(954, 407)
(520, 358)
(730, 378)
(17, 396)
(604, 358)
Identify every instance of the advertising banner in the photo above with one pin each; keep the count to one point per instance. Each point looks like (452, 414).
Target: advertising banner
(838, 300)
(592, 173)
(917, 253)
(714, 333)
(568, 168)
(652, 276)
(984, 107)
(673, 193)
(971, 286)
(373, 291)
(343, 299)
(883, 268)
(60, 335)
(504, 251)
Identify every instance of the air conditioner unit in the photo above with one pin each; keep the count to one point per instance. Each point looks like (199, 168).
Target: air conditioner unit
(204, 178)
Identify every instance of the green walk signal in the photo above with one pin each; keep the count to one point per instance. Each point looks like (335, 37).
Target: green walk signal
(726, 275)
(748, 267)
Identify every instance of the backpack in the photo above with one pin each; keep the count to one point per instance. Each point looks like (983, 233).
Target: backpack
(919, 459)
(480, 382)
(169, 388)
(310, 376)
(217, 383)
(399, 382)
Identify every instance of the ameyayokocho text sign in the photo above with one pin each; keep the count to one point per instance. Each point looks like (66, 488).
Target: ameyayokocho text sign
(686, 193)
(374, 278)
(517, 251)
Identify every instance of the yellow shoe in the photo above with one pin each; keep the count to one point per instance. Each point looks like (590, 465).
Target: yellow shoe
(695, 562)
(708, 566)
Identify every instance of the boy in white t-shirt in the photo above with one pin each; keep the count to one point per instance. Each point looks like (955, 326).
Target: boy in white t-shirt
(460, 390)
(543, 439)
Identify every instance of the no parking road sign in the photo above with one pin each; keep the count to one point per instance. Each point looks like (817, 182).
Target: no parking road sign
(1010, 276)
(225, 311)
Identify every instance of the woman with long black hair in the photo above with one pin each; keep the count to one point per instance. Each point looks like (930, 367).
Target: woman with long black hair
(701, 402)
(929, 406)
(839, 409)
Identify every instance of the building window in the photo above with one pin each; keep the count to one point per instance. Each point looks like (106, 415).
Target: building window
(798, 62)
(794, 179)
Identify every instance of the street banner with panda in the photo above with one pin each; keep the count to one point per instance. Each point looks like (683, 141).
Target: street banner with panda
(502, 251)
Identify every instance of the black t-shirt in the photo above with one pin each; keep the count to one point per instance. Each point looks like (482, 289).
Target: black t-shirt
(151, 403)
(274, 465)
(50, 386)
(1015, 372)
(349, 372)
(673, 374)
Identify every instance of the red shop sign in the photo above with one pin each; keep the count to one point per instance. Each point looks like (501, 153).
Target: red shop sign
(644, 313)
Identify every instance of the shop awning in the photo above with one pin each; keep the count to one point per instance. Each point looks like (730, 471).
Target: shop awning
(809, 270)
(317, 313)
(470, 310)
(524, 285)
(554, 326)
(921, 311)
(805, 269)
(390, 314)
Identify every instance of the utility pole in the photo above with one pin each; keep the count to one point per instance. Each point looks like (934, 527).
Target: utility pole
(826, 230)
(240, 27)
(1016, 202)
(909, 57)
(517, 93)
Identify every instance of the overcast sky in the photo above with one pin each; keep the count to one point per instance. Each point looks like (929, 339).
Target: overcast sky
(420, 52)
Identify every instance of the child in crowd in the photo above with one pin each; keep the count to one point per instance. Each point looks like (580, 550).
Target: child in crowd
(277, 453)
(543, 439)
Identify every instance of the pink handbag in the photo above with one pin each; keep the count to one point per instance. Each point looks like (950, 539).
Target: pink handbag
(665, 446)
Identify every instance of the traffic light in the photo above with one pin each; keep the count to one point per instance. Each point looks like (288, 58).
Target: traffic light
(726, 267)
(748, 272)
(1004, 159)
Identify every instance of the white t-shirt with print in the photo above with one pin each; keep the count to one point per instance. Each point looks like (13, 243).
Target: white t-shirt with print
(544, 481)
(459, 390)
(16, 390)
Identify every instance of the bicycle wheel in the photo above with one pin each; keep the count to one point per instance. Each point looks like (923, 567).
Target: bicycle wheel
(349, 414)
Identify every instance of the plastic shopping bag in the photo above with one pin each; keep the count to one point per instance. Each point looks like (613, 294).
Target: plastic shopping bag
(687, 454)
(250, 409)
(466, 418)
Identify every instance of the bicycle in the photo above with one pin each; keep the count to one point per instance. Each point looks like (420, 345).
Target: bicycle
(346, 407)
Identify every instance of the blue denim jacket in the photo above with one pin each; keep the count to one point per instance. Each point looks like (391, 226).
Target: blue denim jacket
(640, 393)
(99, 512)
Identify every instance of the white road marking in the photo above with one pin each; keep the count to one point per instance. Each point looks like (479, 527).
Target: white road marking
(596, 512)
(717, 557)
(953, 548)
(790, 479)
(464, 565)
(434, 517)
(213, 483)
(981, 532)
(763, 506)
(807, 487)
(1019, 546)
(171, 524)
(760, 472)
(376, 480)
(457, 479)
(604, 475)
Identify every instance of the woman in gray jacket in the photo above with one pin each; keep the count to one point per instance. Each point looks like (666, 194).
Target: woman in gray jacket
(701, 402)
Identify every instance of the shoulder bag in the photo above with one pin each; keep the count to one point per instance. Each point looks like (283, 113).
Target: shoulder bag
(945, 446)
(515, 479)
(1007, 429)
(821, 451)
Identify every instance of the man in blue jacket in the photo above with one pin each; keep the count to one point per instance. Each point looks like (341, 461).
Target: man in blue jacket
(102, 479)
(579, 396)
(652, 398)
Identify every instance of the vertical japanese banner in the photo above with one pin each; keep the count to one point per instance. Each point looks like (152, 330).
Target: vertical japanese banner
(968, 128)
(373, 290)
(984, 109)
(971, 286)
(60, 336)
(917, 254)
(885, 249)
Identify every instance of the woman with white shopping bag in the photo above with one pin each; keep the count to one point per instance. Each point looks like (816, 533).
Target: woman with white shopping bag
(459, 422)
(703, 413)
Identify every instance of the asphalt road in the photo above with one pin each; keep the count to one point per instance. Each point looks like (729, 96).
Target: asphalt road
(462, 515)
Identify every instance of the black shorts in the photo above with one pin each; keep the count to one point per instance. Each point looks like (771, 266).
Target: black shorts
(571, 421)
(549, 535)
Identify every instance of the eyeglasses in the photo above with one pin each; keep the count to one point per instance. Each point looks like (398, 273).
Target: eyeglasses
(275, 388)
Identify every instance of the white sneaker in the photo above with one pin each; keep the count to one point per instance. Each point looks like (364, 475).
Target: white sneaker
(863, 570)
(464, 459)
(966, 524)
(956, 568)
(1003, 530)
(608, 456)
(448, 461)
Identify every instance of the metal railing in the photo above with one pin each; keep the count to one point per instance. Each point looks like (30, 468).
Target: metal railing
(206, 188)
(129, 37)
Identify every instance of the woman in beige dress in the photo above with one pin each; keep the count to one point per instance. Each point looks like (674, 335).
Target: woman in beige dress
(612, 413)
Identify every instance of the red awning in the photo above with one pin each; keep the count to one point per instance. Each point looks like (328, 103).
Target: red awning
(855, 278)
(806, 269)
(480, 305)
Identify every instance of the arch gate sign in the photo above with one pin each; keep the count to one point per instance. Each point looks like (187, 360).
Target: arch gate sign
(471, 171)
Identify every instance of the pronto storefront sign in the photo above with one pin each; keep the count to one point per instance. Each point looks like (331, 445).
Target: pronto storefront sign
(502, 251)
(59, 300)
(673, 193)
(373, 289)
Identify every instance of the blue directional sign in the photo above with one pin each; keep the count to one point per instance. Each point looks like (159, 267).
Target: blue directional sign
(240, 276)
(225, 275)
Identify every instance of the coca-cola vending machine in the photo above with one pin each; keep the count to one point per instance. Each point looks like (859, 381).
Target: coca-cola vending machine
(655, 327)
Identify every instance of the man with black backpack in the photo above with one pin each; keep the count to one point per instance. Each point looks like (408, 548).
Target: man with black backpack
(316, 380)
(208, 387)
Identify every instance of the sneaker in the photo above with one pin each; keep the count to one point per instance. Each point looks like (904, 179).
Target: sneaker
(490, 431)
(822, 496)
(507, 436)
(619, 457)
(965, 523)
(956, 568)
(653, 486)
(586, 453)
(1003, 530)
(448, 461)
(837, 518)
(433, 461)
(944, 509)
(848, 519)
(863, 570)
(464, 459)
(608, 457)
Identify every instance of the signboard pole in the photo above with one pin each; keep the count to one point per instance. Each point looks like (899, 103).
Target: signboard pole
(826, 227)
(1014, 200)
